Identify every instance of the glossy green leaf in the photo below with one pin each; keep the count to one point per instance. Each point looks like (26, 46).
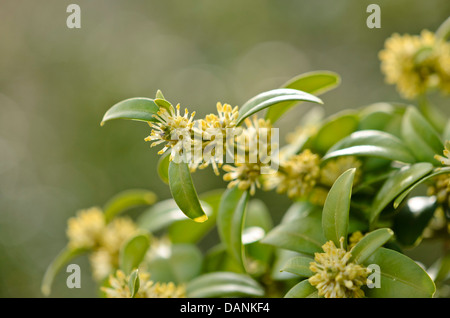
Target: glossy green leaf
(316, 83)
(165, 213)
(421, 138)
(184, 193)
(132, 252)
(223, 284)
(138, 108)
(336, 210)
(64, 257)
(230, 222)
(301, 234)
(412, 220)
(369, 244)
(178, 263)
(185, 231)
(134, 283)
(126, 200)
(163, 167)
(434, 115)
(371, 143)
(281, 257)
(436, 172)
(335, 129)
(400, 276)
(273, 97)
(396, 184)
(302, 290)
(299, 265)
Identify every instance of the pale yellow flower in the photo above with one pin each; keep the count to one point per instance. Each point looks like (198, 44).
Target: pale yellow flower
(119, 287)
(172, 128)
(85, 230)
(102, 263)
(416, 63)
(354, 239)
(335, 167)
(118, 231)
(445, 160)
(335, 276)
(253, 156)
(297, 175)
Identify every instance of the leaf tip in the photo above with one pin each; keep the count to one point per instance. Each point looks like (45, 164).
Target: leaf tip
(201, 219)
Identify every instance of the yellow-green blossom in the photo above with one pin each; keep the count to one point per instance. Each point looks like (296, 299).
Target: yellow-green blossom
(85, 230)
(335, 167)
(172, 128)
(297, 175)
(252, 158)
(119, 287)
(416, 63)
(335, 276)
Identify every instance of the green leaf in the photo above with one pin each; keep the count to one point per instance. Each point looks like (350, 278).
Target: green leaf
(132, 252)
(186, 231)
(302, 290)
(436, 172)
(333, 130)
(184, 193)
(443, 32)
(316, 83)
(421, 138)
(372, 143)
(230, 222)
(165, 213)
(337, 207)
(299, 265)
(412, 220)
(138, 108)
(163, 167)
(126, 200)
(163, 103)
(65, 256)
(178, 263)
(369, 244)
(134, 283)
(223, 284)
(301, 234)
(396, 184)
(273, 97)
(400, 276)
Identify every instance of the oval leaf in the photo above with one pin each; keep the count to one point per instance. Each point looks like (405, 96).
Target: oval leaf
(138, 108)
(436, 172)
(301, 234)
(185, 231)
(163, 167)
(134, 283)
(299, 266)
(184, 193)
(412, 220)
(178, 263)
(396, 184)
(371, 143)
(400, 276)
(127, 199)
(421, 138)
(56, 265)
(337, 207)
(132, 252)
(302, 290)
(334, 130)
(273, 97)
(369, 244)
(223, 284)
(230, 222)
(316, 83)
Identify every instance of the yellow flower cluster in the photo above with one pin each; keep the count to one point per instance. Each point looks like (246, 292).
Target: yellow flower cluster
(252, 159)
(89, 230)
(119, 287)
(335, 276)
(298, 175)
(416, 63)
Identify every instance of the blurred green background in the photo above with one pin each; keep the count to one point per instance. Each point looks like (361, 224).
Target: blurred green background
(56, 83)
